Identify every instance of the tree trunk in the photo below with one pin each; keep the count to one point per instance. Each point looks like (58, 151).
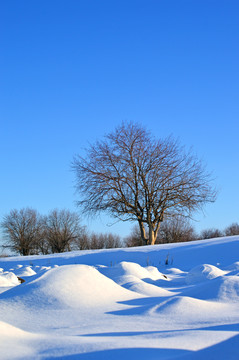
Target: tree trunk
(153, 234)
(143, 233)
(152, 237)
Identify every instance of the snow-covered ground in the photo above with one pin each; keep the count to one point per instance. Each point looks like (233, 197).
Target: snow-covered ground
(123, 303)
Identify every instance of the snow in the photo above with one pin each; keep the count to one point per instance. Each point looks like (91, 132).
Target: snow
(8, 279)
(109, 304)
(202, 273)
(24, 271)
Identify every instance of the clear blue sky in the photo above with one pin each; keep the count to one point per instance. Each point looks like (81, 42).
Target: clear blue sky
(72, 70)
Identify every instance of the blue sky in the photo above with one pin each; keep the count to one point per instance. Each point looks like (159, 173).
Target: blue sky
(71, 71)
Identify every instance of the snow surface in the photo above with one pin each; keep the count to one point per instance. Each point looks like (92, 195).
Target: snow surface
(123, 303)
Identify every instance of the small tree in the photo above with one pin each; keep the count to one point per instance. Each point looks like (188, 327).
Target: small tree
(134, 238)
(104, 241)
(97, 241)
(42, 245)
(22, 231)
(210, 233)
(177, 229)
(112, 241)
(62, 228)
(232, 229)
(135, 177)
(81, 242)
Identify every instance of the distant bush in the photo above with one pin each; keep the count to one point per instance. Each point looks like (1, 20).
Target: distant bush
(3, 255)
(177, 229)
(232, 229)
(210, 233)
(98, 241)
(134, 238)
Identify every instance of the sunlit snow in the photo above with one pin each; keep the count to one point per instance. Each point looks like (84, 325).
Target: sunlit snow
(123, 303)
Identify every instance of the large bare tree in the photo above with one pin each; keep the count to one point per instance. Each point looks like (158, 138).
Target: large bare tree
(134, 176)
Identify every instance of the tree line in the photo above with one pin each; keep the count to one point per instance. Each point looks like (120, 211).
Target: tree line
(26, 232)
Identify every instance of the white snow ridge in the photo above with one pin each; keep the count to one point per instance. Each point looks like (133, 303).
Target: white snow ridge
(109, 304)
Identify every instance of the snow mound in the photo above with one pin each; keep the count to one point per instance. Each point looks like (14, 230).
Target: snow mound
(221, 289)
(72, 286)
(133, 283)
(130, 268)
(19, 266)
(125, 268)
(202, 273)
(229, 289)
(15, 343)
(25, 271)
(154, 273)
(174, 271)
(43, 268)
(233, 267)
(134, 277)
(184, 307)
(10, 330)
(8, 279)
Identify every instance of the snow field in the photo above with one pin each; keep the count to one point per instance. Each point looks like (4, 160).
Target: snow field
(112, 303)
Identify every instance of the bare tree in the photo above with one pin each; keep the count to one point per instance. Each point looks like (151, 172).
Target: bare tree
(232, 229)
(62, 228)
(134, 238)
(104, 241)
(176, 229)
(81, 242)
(135, 177)
(22, 230)
(210, 233)
(42, 245)
(112, 241)
(96, 241)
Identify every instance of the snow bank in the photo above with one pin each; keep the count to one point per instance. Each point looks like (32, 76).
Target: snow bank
(15, 343)
(136, 278)
(74, 286)
(183, 307)
(122, 271)
(25, 271)
(221, 289)
(142, 287)
(130, 268)
(8, 279)
(233, 267)
(202, 273)
(82, 285)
